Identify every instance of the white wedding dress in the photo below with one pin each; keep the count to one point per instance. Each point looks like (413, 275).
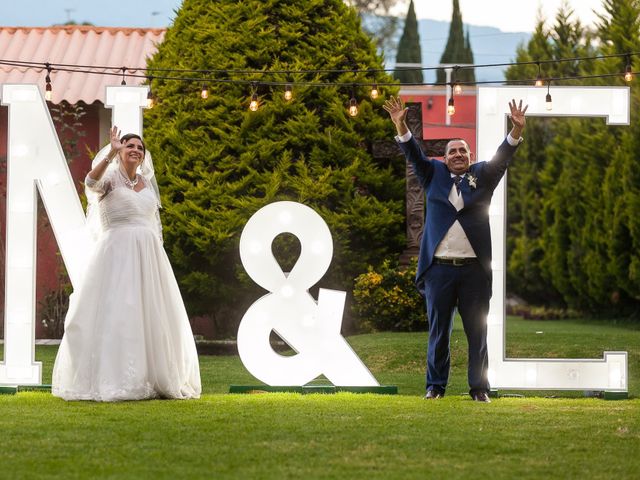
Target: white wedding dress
(127, 335)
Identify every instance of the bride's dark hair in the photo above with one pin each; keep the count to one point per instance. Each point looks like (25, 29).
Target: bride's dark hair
(129, 136)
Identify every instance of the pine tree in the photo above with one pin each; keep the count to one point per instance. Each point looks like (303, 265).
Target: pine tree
(218, 163)
(409, 49)
(458, 49)
(619, 32)
(468, 59)
(537, 234)
(580, 175)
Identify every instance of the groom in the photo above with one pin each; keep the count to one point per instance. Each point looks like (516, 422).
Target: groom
(454, 267)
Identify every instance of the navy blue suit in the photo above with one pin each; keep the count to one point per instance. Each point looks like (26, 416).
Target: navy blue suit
(466, 287)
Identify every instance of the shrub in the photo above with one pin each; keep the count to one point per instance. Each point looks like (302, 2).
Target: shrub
(387, 299)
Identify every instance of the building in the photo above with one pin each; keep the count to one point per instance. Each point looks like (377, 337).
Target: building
(435, 124)
(77, 109)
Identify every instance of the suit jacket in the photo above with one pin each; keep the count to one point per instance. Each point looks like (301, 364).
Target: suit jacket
(474, 217)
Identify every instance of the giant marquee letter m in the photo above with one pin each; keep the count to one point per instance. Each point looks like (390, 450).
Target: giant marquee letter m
(36, 164)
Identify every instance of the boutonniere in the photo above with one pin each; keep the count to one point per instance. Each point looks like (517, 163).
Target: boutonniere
(472, 180)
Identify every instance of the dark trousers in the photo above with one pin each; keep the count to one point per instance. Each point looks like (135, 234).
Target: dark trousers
(468, 288)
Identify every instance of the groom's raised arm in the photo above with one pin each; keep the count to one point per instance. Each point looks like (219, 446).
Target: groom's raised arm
(498, 164)
(422, 166)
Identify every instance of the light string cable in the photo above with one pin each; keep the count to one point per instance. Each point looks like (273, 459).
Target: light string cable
(204, 77)
(167, 73)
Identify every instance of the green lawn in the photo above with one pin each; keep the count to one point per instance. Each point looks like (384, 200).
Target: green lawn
(345, 435)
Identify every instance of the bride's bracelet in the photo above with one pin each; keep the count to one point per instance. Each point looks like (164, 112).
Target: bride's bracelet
(109, 157)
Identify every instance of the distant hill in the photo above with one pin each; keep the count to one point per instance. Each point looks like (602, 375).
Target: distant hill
(489, 45)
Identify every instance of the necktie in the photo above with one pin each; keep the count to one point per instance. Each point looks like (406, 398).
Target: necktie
(457, 179)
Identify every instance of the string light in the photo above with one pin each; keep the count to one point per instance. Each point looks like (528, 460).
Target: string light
(150, 100)
(288, 92)
(539, 81)
(374, 91)
(628, 73)
(353, 104)
(48, 91)
(451, 108)
(548, 104)
(455, 85)
(254, 104)
(165, 74)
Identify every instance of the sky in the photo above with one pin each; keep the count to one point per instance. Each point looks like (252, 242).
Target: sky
(509, 16)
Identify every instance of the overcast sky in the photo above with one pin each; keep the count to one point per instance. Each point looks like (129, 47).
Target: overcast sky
(511, 16)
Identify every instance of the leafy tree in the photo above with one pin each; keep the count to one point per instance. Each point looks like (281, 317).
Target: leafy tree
(457, 50)
(218, 162)
(409, 49)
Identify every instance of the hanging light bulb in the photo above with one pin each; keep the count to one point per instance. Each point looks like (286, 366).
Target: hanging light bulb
(353, 106)
(48, 91)
(254, 103)
(549, 104)
(124, 71)
(374, 91)
(288, 92)
(451, 108)
(539, 81)
(150, 100)
(628, 73)
(457, 88)
(204, 93)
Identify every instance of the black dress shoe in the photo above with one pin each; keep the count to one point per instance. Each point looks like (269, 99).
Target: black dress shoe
(481, 397)
(433, 395)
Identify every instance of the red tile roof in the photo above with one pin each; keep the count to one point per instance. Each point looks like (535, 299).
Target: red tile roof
(76, 45)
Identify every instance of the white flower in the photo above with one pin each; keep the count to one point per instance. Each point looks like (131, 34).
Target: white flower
(472, 180)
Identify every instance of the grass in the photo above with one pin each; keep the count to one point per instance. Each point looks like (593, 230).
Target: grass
(344, 435)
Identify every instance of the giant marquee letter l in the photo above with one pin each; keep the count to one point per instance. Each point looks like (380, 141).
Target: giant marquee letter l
(609, 373)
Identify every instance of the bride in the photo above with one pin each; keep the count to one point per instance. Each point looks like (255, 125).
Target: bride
(127, 335)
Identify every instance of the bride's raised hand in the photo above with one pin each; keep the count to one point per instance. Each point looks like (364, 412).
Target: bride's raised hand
(116, 144)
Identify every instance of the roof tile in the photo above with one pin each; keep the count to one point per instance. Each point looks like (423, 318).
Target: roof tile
(76, 45)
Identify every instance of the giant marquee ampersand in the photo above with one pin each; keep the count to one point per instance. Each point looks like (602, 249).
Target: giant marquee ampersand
(311, 329)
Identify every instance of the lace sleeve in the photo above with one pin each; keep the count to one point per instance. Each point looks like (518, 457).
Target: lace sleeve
(98, 187)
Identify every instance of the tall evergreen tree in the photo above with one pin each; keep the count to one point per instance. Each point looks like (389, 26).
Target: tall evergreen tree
(573, 188)
(458, 50)
(409, 49)
(218, 163)
(468, 50)
(619, 32)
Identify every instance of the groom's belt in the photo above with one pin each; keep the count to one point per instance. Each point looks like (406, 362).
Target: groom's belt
(456, 262)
